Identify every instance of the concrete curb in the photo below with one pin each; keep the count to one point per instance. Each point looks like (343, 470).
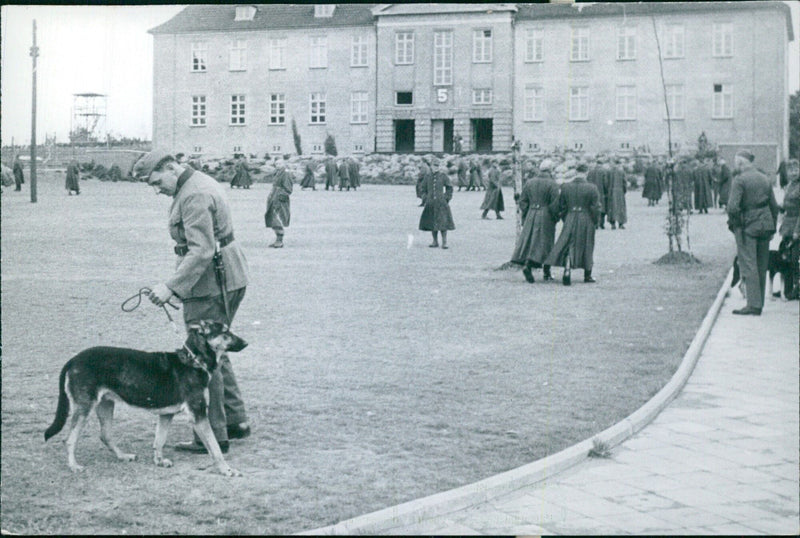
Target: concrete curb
(419, 510)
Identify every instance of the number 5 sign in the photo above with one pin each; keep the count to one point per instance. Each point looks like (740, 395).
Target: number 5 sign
(441, 95)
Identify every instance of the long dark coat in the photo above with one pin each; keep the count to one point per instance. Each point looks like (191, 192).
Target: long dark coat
(579, 206)
(308, 178)
(436, 193)
(19, 176)
(653, 183)
(493, 200)
(684, 185)
(424, 174)
(618, 212)
(462, 173)
(330, 173)
(278, 208)
(538, 204)
(355, 176)
(596, 177)
(73, 175)
(344, 175)
(724, 184)
(241, 178)
(702, 187)
(475, 176)
(606, 192)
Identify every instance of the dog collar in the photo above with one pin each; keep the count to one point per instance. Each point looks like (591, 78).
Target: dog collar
(192, 359)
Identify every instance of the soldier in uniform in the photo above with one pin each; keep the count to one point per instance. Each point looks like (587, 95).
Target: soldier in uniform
(330, 174)
(493, 200)
(278, 212)
(197, 231)
(579, 207)
(241, 177)
(462, 173)
(538, 204)
(703, 197)
(752, 216)
(308, 178)
(354, 169)
(653, 184)
(19, 176)
(597, 177)
(344, 175)
(73, 177)
(475, 176)
(424, 173)
(618, 210)
(436, 217)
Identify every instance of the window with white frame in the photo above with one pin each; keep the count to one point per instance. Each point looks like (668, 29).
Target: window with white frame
(442, 58)
(482, 96)
(317, 108)
(198, 149)
(277, 48)
(626, 103)
(626, 43)
(534, 103)
(579, 44)
(482, 46)
(404, 48)
(237, 109)
(245, 13)
(319, 52)
(674, 41)
(358, 51)
(359, 148)
(198, 110)
(579, 103)
(722, 39)
(277, 109)
(199, 55)
(534, 45)
(675, 101)
(316, 148)
(358, 107)
(722, 103)
(238, 55)
(324, 10)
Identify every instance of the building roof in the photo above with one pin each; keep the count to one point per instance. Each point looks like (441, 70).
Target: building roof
(608, 9)
(220, 18)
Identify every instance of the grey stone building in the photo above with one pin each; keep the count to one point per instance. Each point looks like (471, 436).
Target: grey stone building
(415, 77)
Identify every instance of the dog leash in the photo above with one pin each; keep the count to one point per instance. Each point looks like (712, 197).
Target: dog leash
(138, 296)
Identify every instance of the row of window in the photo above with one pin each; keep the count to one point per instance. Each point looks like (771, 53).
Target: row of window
(626, 102)
(317, 106)
(672, 44)
(277, 109)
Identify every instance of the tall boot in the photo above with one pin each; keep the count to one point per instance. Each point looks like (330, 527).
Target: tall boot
(547, 276)
(498, 215)
(484, 214)
(587, 276)
(567, 278)
(526, 271)
(278, 241)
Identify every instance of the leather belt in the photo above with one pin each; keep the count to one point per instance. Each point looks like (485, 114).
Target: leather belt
(182, 250)
(758, 206)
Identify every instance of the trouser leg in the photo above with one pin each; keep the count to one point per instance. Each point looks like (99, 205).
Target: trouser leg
(746, 250)
(762, 262)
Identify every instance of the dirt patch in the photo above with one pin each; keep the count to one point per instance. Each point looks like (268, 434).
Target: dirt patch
(379, 370)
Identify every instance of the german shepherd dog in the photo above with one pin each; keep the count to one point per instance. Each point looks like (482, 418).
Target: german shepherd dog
(163, 383)
(779, 263)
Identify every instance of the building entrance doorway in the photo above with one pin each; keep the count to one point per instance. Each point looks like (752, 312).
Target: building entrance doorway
(482, 134)
(404, 136)
(442, 136)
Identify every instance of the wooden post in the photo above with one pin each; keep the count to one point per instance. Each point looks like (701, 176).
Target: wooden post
(34, 55)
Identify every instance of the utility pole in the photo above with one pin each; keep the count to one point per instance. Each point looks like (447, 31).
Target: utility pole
(34, 55)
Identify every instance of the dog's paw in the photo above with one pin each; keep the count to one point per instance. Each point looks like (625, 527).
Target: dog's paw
(230, 472)
(164, 462)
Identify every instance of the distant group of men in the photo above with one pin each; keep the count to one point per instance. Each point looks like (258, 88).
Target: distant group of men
(347, 171)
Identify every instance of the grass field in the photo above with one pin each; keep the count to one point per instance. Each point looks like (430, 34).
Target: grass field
(377, 372)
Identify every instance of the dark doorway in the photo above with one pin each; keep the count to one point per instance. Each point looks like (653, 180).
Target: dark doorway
(404, 136)
(482, 134)
(448, 136)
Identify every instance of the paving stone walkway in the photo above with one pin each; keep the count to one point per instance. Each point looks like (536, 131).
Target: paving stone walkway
(722, 458)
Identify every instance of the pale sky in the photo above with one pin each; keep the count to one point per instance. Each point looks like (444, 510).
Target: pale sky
(106, 49)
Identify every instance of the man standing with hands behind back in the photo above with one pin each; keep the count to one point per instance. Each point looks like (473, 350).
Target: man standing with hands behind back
(199, 219)
(752, 215)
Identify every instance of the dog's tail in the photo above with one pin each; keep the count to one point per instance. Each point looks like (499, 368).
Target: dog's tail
(62, 411)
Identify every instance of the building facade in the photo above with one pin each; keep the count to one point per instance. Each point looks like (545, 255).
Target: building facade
(424, 77)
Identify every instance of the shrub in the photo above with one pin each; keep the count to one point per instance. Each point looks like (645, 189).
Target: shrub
(298, 148)
(330, 145)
